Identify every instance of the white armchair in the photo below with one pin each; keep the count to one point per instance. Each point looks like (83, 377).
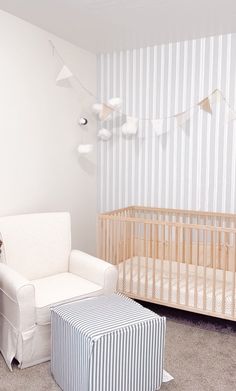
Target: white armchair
(37, 271)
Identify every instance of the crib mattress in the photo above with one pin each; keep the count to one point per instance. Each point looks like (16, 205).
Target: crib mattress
(136, 277)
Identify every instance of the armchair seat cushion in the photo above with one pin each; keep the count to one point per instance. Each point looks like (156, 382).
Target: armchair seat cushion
(59, 289)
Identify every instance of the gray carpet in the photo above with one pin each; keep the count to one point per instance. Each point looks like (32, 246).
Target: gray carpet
(200, 354)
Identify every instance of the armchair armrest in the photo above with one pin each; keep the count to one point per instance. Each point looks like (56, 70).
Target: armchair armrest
(17, 298)
(94, 269)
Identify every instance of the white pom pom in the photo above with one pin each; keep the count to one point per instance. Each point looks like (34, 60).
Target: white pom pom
(97, 108)
(83, 149)
(104, 134)
(130, 127)
(115, 103)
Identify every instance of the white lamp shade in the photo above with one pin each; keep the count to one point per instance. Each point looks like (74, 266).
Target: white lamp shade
(83, 149)
(104, 134)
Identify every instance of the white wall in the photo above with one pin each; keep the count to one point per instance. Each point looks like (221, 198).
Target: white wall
(191, 168)
(39, 165)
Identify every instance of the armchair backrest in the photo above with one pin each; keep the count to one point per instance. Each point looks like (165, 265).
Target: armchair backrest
(36, 245)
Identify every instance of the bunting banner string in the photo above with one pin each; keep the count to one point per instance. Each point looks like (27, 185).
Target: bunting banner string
(55, 52)
(105, 110)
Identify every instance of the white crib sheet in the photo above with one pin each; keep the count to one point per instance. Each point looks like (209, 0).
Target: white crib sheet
(147, 285)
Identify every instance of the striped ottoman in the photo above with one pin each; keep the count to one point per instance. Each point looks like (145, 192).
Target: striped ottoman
(107, 343)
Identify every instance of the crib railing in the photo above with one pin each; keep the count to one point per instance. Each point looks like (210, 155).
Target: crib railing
(215, 219)
(165, 258)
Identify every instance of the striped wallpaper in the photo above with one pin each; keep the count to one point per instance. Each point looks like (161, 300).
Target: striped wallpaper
(192, 168)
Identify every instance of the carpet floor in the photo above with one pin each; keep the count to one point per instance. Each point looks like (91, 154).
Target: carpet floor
(200, 355)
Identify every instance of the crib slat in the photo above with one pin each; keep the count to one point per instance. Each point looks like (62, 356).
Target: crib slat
(219, 250)
(177, 236)
(105, 246)
(103, 239)
(162, 258)
(111, 241)
(123, 255)
(214, 239)
(224, 256)
(234, 270)
(205, 270)
(154, 228)
(146, 259)
(99, 238)
(114, 242)
(118, 240)
(132, 236)
(211, 248)
(170, 262)
(183, 246)
(150, 241)
(187, 269)
(139, 252)
(196, 270)
(191, 246)
(157, 241)
(107, 240)
(112, 255)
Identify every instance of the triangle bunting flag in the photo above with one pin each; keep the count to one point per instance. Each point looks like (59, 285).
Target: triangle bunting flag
(64, 76)
(205, 105)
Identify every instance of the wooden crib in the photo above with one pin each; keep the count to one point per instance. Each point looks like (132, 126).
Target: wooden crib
(178, 258)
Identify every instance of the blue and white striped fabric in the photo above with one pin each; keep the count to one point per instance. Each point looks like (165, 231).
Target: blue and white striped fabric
(108, 343)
